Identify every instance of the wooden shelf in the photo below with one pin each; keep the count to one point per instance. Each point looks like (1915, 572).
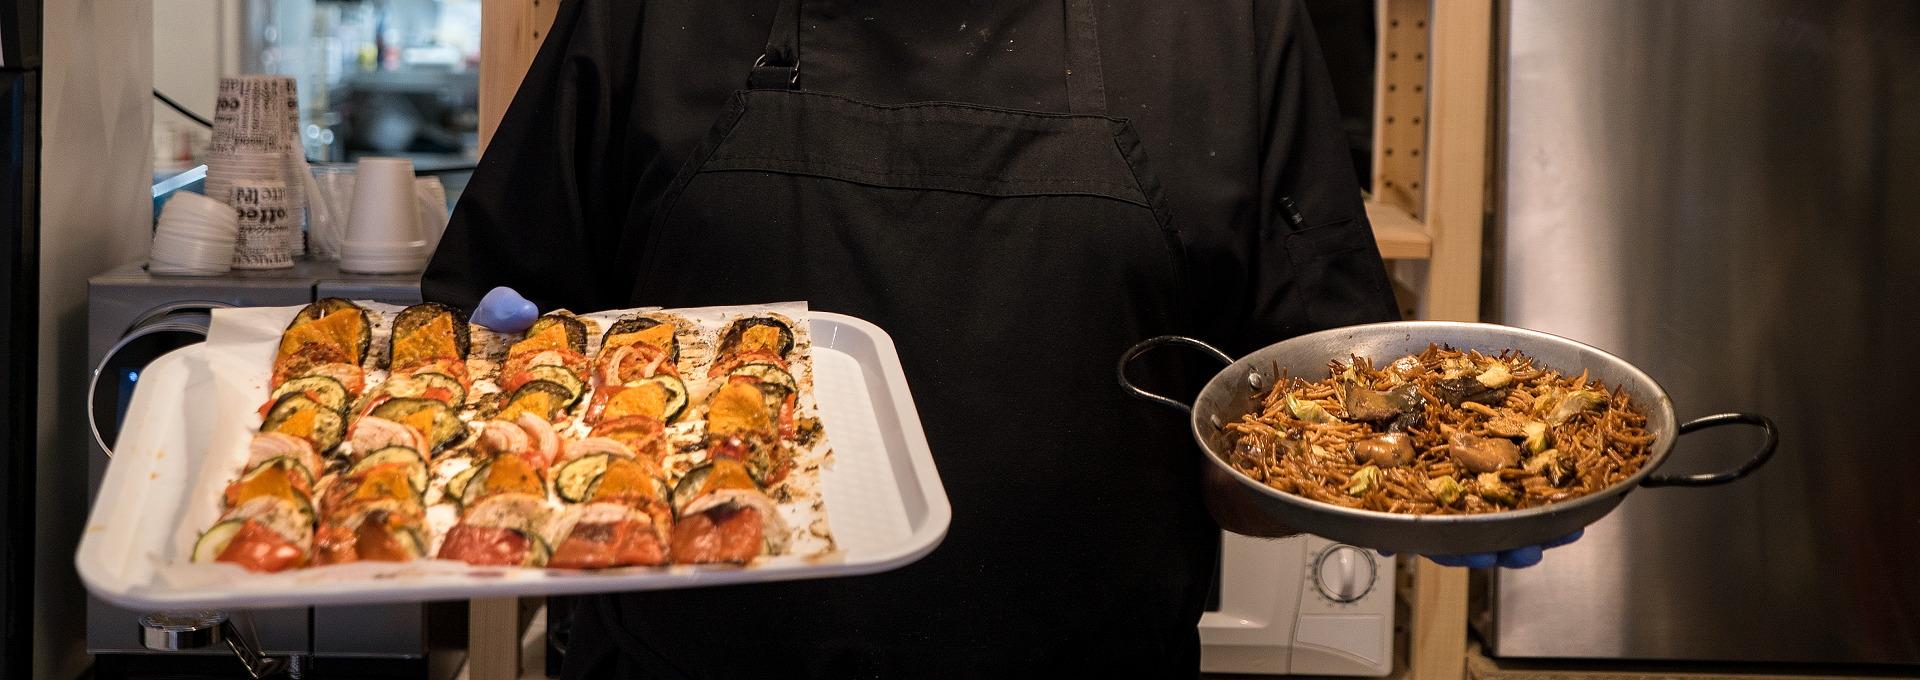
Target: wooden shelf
(1398, 234)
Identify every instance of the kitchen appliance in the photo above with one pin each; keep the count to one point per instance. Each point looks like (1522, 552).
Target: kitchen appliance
(135, 317)
(20, 25)
(1300, 606)
(1237, 390)
(1722, 192)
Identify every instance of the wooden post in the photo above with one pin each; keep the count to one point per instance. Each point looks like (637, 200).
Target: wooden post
(1458, 112)
(510, 34)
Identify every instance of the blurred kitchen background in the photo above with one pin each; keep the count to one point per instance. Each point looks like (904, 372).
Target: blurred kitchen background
(376, 77)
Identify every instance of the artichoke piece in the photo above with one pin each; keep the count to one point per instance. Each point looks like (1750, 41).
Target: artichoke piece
(1556, 468)
(1496, 376)
(1492, 490)
(1363, 480)
(1483, 454)
(1537, 437)
(1445, 490)
(1308, 410)
(1392, 449)
(1576, 402)
(1458, 367)
(1406, 368)
(1372, 405)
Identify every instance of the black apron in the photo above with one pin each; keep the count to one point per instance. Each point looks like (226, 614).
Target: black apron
(1012, 256)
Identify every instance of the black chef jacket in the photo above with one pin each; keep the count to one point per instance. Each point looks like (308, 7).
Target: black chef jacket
(1231, 104)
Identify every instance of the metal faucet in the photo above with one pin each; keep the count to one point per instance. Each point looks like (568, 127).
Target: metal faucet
(195, 628)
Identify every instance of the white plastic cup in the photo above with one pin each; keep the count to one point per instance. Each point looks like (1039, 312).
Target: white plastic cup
(433, 209)
(194, 236)
(383, 226)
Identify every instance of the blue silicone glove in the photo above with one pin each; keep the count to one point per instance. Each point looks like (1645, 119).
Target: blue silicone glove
(505, 311)
(1511, 559)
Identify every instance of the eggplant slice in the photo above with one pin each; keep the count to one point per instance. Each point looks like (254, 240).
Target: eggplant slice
(635, 324)
(576, 331)
(737, 330)
(413, 318)
(319, 309)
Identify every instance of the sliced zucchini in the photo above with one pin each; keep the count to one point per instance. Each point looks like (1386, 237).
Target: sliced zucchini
(674, 388)
(559, 375)
(676, 394)
(416, 543)
(690, 486)
(417, 384)
(447, 430)
(538, 552)
(576, 331)
(279, 462)
(575, 479)
(768, 373)
(299, 415)
(324, 389)
(542, 398)
(476, 482)
(731, 338)
(215, 541)
(412, 318)
(402, 455)
(457, 486)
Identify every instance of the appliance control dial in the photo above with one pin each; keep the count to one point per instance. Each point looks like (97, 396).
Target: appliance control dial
(1344, 573)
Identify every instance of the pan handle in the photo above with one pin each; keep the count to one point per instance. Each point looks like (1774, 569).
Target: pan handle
(1151, 343)
(1717, 478)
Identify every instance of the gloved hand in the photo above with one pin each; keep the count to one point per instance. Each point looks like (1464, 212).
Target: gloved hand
(503, 310)
(1511, 559)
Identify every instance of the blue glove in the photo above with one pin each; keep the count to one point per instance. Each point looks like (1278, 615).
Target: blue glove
(505, 311)
(1511, 559)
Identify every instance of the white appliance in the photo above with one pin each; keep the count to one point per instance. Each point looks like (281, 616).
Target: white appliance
(1301, 605)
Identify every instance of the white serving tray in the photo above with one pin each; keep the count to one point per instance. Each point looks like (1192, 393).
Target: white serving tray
(884, 501)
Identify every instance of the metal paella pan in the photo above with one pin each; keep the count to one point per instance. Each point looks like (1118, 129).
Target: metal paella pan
(1237, 390)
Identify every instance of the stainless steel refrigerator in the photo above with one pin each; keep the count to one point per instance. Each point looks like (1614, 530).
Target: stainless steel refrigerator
(1727, 193)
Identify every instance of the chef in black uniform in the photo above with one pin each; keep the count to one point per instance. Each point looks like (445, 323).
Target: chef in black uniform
(1016, 192)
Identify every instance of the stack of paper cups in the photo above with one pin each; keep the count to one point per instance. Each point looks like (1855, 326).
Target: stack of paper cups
(195, 236)
(383, 226)
(264, 224)
(256, 137)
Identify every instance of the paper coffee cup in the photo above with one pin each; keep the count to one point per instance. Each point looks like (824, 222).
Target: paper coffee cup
(265, 224)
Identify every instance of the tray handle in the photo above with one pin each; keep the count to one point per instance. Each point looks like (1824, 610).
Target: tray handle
(1150, 343)
(1717, 478)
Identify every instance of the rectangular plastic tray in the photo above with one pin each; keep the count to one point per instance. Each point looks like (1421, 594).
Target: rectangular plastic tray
(884, 501)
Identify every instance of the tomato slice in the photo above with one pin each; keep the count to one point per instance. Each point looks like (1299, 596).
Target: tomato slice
(614, 544)
(730, 534)
(485, 546)
(257, 548)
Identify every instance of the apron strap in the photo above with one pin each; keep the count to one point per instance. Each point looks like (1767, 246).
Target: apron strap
(1086, 88)
(779, 67)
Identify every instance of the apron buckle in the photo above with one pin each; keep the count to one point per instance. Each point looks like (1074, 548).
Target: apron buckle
(773, 76)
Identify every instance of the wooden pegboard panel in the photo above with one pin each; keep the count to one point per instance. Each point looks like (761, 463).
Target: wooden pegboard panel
(1400, 113)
